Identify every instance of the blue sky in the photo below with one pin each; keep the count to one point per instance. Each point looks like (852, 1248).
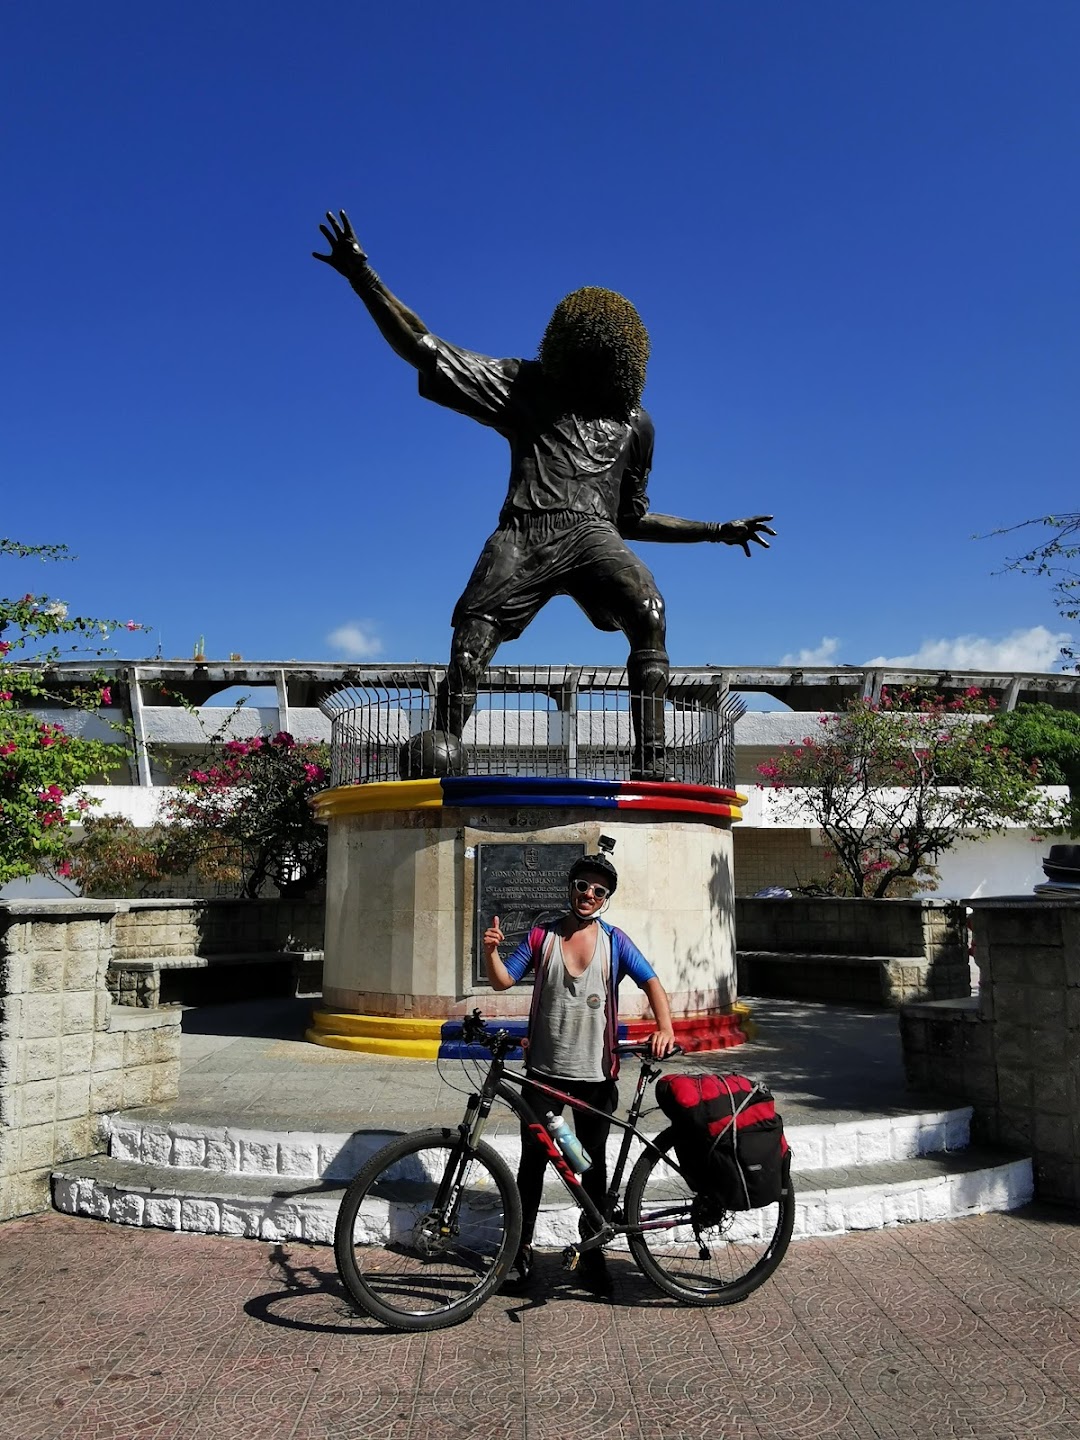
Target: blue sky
(850, 227)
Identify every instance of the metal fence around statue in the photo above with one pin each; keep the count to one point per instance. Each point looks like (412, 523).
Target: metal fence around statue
(540, 721)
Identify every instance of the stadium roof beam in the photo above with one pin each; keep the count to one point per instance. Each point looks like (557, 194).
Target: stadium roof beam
(303, 685)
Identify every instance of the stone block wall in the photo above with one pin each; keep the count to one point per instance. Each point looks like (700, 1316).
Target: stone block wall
(67, 1056)
(881, 951)
(146, 928)
(246, 926)
(281, 940)
(850, 927)
(765, 856)
(1014, 1053)
(156, 927)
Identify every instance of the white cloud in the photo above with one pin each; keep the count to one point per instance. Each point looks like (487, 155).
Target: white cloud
(1034, 649)
(356, 640)
(823, 654)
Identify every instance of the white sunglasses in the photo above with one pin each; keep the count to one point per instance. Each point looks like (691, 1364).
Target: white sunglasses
(584, 888)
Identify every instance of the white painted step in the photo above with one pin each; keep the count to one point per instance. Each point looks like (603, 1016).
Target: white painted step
(276, 1184)
(156, 1138)
(940, 1186)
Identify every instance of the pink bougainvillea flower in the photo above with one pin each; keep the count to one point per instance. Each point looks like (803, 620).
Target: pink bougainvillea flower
(314, 772)
(132, 625)
(64, 868)
(255, 743)
(106, 695)
(199, 775)
(284, 739)
(8, 749)
(5, 694)
(4, 647)
(236, 747)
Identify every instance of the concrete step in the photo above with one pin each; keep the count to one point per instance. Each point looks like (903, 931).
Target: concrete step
(939, 1186)
(178, 1169)
(189, 1140)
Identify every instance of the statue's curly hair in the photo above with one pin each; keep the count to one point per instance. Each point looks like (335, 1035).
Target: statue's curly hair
(596, 350)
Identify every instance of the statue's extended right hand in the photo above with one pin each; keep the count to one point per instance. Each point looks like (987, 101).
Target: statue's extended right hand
(347, 255)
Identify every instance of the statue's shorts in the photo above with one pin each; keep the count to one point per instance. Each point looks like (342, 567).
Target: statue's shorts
(531, 558)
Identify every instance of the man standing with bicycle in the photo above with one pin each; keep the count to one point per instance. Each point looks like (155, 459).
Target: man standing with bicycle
(578, 961)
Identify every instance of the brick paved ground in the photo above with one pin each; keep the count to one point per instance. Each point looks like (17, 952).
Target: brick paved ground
(970, 1328)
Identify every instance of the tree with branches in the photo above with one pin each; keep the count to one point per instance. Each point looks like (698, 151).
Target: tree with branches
(894, 784)
(43, 764)
(1054, 559)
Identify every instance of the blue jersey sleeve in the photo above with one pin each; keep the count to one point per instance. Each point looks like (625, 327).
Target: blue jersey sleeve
(629, 959)
(522, 958)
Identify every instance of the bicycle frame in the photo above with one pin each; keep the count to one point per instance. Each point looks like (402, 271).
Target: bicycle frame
(499, 1084)
(419, 1261)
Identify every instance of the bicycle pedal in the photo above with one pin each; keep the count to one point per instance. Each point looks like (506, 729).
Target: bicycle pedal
(570, 1257)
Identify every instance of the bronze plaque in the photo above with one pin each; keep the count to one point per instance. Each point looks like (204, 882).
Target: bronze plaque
(525, 885)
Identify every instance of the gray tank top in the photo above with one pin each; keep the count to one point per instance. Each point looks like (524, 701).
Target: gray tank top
(567, 1040)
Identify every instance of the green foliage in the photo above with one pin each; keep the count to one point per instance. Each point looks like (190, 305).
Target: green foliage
(893, 785)
(245, 815)
(117, 859)
(1050, 738)
(42, 765)
(1045, 734)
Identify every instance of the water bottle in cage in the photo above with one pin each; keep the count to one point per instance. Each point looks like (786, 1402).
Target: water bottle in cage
(577, 1158)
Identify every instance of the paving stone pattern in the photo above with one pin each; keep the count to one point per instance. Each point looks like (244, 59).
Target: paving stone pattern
(969, 1328)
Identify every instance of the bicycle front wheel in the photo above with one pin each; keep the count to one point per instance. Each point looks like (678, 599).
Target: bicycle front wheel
(689, 1245)
(427, 1230)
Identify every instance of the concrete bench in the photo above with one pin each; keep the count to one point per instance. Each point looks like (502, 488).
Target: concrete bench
(889, 980)
(146, 981)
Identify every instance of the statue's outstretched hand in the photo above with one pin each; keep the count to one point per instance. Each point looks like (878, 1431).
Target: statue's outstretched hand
(741, 532)
(347, 255)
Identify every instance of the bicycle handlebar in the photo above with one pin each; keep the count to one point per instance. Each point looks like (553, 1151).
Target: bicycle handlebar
(474, 1031)
(643, 1050)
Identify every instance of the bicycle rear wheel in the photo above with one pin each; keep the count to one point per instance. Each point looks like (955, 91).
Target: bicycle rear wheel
(426, 1231)
(701, 1253)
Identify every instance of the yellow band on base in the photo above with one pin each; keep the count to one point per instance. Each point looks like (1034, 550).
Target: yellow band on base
(382, 795)
(370, 1045)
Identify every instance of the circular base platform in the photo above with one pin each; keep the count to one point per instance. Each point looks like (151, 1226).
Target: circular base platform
(412, 881)
(441, 1039)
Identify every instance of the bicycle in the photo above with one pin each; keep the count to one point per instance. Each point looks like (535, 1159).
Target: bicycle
(430, 1227)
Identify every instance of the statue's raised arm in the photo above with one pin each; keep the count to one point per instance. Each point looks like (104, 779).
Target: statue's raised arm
(402, 330)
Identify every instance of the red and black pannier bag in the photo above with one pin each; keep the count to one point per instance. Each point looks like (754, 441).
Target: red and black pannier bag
(729, 1140)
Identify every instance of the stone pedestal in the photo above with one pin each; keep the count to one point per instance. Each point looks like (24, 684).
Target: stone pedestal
(401, 892)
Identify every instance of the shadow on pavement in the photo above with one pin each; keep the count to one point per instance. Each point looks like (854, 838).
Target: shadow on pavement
(308, 1297)
(283, 1018)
